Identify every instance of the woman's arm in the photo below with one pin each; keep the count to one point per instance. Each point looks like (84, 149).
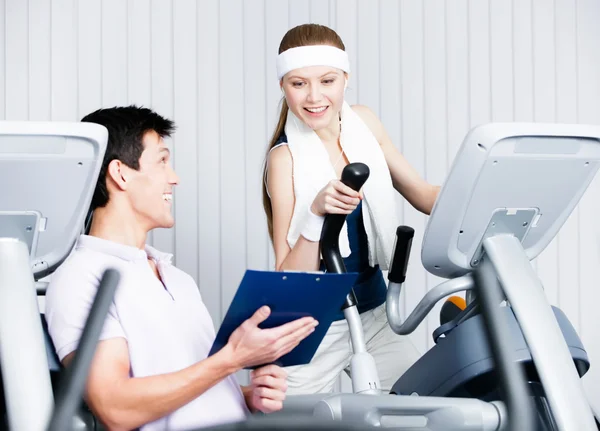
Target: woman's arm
(334, 198)
(305, 254)
(405, 178)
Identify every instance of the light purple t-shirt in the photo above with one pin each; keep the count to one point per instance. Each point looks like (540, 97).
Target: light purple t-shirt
(167, 327)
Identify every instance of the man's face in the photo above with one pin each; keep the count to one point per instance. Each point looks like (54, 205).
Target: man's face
(150, 188)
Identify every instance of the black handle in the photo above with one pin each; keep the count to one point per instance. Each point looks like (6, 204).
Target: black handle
(74, 378)
(354, 176)
(399, 264)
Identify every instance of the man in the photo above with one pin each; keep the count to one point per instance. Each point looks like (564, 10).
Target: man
(151, 368)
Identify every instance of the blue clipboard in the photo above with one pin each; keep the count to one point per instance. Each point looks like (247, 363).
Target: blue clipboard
(290, 295)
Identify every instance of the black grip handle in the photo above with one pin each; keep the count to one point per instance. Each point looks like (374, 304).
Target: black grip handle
(399, 264)
(354, 176)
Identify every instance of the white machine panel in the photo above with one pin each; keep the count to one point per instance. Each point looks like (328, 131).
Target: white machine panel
(48, 172)
(519, 178)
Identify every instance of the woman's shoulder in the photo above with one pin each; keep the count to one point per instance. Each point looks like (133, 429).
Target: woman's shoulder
(280, 152)
(369, 117)
(365, 113)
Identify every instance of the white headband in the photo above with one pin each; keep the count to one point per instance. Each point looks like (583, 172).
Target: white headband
(312, 55)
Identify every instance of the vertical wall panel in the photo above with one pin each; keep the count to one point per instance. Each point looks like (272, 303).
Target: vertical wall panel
(233, 150)
(3, 80)
(209, 210)
(522, 60)
(565, 36)
(413, 138)
(457, 75)
(64, 35)
(185, 140)
(479, 62)
(139, 67)
(368, 50)
(114, 53)
(347, 27)
(544, 111)
(588, 94)
(298, 12)
(89, 57)
(434, 63)
(501, 62)
(543, 61)
(390, 77)
(161, 60)
(332, 13)
(17, 64)
(39, 60)
(256, 136)
(319, 12)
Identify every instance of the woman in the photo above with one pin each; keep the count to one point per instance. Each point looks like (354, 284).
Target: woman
(317, 135)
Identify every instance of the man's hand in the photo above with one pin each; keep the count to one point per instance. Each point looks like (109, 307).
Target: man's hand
(251, 346)
(267, 389)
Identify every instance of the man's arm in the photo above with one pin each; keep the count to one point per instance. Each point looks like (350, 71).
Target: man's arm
(122, 402)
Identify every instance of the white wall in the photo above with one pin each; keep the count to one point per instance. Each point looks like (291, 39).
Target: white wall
(431, 69)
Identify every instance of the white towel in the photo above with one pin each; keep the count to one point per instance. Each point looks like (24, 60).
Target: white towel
(312, 170)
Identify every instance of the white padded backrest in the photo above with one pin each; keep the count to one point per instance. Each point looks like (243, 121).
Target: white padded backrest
(521, 178)
(48, 172)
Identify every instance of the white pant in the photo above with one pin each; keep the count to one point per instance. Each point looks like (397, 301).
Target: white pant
(393, 355)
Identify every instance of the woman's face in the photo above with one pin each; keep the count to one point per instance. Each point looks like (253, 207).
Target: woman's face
(315, 94)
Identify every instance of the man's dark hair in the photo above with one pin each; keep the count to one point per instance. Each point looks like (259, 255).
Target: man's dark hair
(126, 127)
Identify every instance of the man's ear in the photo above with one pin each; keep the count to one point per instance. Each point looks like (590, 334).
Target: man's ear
(117, 174)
